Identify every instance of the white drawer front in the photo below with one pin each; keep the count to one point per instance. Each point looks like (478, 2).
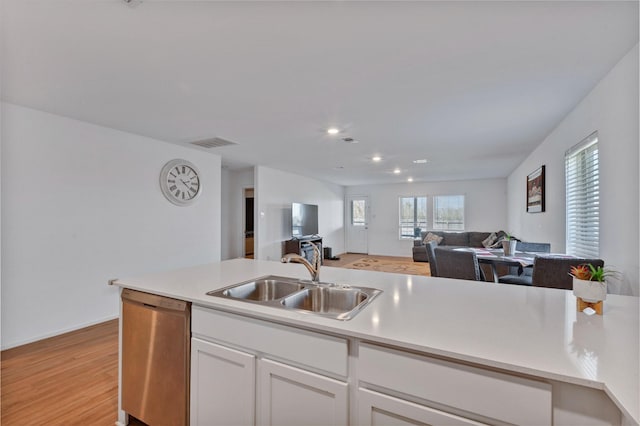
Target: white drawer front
(495, 395)
(319, 351)
(376, 409)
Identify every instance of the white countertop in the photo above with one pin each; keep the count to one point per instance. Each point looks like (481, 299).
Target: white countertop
(530, 330)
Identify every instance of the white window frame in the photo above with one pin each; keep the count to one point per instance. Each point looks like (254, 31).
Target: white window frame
(582, 186)
(434, 203)
(417, 223)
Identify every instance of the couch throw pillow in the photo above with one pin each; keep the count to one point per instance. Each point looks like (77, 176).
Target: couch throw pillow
(432, 237)
(490, 240)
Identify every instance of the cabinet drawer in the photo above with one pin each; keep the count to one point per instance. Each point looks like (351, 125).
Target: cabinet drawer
(488, 393)
(375, 409)
(315, 350)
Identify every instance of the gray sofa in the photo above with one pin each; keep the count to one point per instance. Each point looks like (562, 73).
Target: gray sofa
(458, 239)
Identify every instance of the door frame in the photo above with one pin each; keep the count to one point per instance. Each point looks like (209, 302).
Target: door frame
(244, 219)
(347, 219)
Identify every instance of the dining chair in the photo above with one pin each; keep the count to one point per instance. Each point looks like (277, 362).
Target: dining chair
(458, 264)
(520, 275)
(553, 272)
(431, 257)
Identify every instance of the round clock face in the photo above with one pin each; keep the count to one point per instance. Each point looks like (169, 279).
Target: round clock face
(180, 182)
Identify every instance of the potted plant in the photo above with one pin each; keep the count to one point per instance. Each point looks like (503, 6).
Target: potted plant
(589, 282)
(509, 245)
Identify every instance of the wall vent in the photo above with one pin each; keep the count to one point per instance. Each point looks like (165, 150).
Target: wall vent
(213, 143)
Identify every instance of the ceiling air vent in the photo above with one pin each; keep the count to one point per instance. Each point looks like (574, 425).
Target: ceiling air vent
(213, 143)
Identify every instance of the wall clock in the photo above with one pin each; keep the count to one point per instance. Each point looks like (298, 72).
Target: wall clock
(180, 182)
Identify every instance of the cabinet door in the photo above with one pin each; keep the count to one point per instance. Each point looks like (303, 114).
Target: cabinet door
(290, 396)
(222, 385)
(378, 409)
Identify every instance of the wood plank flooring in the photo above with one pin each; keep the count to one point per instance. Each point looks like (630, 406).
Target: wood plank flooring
(346, 258)
(70, 379)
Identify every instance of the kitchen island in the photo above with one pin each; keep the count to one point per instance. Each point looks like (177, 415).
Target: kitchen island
(425, 349)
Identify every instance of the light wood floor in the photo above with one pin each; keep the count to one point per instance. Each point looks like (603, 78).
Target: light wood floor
(72, 379)
(346, 258)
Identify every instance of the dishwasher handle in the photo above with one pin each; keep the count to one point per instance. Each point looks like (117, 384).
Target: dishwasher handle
(154, 301)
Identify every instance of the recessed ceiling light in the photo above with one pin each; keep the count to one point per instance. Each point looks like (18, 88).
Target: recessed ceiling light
(333, 130)
(422, 161)
(396, 171)
(376, 158)
(410, 179)
(132, 3)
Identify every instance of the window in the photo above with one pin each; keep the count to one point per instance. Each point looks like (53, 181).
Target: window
(448, 212)
(358, 217)
(413, 216)
(583, 198)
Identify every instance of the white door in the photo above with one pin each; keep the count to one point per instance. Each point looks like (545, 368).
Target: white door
(222, 385)
(358, 224)
(290, 396)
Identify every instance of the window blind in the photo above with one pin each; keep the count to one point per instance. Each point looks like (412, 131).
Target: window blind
(583, 198)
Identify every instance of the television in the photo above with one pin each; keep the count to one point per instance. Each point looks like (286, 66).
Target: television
(304, 220)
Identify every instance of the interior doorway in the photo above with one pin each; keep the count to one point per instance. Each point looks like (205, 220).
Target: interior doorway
(248, 223)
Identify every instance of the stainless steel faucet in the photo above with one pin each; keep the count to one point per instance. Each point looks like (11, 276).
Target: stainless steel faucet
(313, 267)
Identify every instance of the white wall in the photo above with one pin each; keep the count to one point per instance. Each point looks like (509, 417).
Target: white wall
(82, 204)
(234, 183)
(484, 209)
(612, 109)
(275, 191)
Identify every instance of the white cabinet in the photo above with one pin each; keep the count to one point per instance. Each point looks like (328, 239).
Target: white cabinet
(236, 380)
(222, 385)
(318, 352)
(291, 396)
(476, 392)
(376, 409)
(248, 371)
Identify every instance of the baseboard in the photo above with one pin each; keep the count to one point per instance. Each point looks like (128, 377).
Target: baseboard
(58, 332)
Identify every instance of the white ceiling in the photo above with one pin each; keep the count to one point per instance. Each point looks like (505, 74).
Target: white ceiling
(472, 86)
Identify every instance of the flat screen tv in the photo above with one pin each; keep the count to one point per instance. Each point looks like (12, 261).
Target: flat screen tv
(304, 220)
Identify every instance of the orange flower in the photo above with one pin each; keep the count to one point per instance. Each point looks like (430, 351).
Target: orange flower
(592, 273)
(581, 272)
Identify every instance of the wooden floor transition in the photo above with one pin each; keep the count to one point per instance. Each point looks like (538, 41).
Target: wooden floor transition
(72, 379)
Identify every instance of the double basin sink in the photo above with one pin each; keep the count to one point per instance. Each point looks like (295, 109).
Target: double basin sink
(324, 299)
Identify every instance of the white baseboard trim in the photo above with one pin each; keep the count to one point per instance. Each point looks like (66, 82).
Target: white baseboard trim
(58, 332)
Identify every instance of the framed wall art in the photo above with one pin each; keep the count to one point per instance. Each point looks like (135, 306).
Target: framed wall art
(535, 191)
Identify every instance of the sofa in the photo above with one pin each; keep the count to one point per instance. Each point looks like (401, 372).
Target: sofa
(458, 239)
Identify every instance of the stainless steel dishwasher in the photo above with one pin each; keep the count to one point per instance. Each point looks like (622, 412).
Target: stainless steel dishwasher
(155, 358)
